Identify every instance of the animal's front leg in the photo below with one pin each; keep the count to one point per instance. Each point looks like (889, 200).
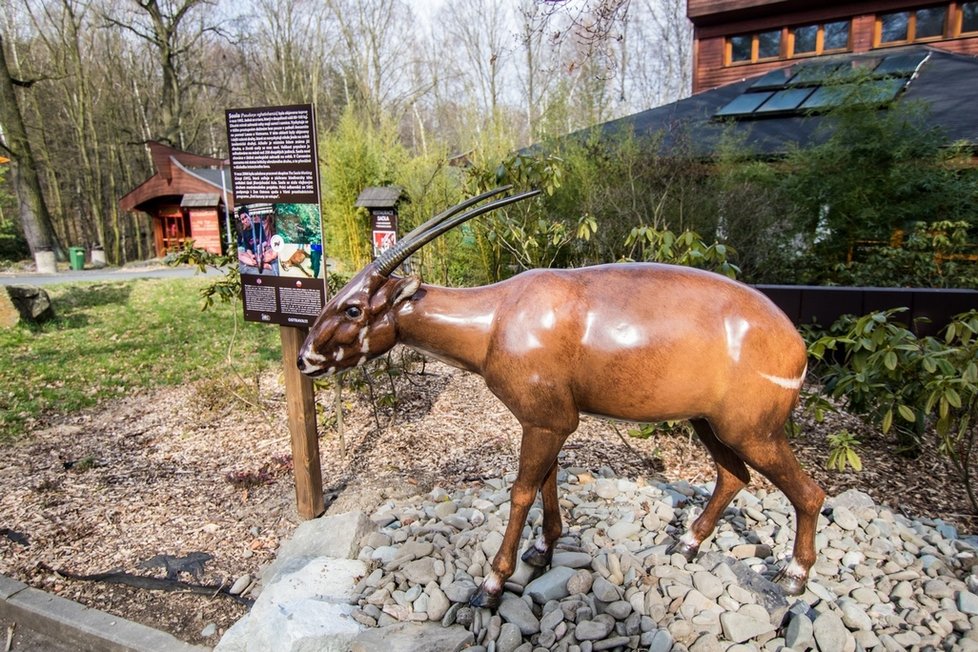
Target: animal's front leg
(542, 551)
(538, 454)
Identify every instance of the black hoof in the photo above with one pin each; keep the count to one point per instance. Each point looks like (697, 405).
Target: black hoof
(687, 550)
(482, 599)
(537, 559)
(790, 584)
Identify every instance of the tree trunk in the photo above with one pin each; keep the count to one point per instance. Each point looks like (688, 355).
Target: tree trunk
(34, 216)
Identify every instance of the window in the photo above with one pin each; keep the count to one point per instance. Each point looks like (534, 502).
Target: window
(895, 28)
(749, 48)
(802, 41)
(819, 39)
(837, 35)
(909, 26)
(740, 48)
(806, 40)
(769, 44)
(930, 22)
(969, 17)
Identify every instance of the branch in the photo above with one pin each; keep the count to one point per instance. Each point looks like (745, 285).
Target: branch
(27, 83)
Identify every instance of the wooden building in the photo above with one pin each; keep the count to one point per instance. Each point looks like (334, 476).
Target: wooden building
(735, 39)
(185, 198)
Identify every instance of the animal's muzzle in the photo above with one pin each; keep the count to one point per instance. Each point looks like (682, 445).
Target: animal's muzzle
(308, 368)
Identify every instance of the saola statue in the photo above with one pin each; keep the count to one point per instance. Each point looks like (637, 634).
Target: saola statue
(632, 341)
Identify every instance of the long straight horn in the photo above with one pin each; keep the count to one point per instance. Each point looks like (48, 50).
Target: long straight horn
(444, 215)
(390, 259)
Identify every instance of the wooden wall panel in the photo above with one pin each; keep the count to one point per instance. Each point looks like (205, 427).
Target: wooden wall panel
(205, 229)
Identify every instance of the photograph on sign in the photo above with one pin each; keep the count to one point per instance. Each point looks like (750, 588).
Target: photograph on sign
(280, 240)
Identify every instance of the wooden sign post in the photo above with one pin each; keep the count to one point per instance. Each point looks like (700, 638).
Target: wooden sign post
(279, 241)
(300, 399)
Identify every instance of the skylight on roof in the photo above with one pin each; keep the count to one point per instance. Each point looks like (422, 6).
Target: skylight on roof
(775, 79)
(799, 89)
(788, 99)
(744, 104)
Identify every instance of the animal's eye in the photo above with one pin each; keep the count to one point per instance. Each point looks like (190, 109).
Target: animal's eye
(353, 312)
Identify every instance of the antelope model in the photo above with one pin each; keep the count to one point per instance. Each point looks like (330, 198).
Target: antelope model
(637, 342)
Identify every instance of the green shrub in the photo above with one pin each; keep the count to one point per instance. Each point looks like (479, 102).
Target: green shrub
(932, 255)
(910, 385)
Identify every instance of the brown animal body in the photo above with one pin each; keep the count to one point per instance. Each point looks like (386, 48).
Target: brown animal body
(638, 342)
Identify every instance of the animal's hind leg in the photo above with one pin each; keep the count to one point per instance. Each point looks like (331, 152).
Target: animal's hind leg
(732, 476)
(777, 462)
(542, 551)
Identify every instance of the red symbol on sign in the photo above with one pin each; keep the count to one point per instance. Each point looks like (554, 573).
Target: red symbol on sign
(384, 240)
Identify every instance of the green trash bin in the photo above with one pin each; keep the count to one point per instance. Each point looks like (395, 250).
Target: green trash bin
(76, 257)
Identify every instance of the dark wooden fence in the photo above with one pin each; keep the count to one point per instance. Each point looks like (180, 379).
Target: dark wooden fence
(928, 312)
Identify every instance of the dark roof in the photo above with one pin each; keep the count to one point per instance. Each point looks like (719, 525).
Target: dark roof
(200, 200)
(379, 197)
(213, 177)
(946, 83)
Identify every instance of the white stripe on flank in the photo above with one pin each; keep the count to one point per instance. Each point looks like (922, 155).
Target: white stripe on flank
(786, 383)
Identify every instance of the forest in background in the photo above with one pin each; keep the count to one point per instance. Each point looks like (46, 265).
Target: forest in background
(84, 84)
(443, 100)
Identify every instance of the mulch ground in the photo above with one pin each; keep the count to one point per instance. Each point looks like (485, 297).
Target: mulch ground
(162, 476)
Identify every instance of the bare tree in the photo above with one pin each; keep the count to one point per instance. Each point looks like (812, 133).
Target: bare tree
(662, 57)
(288, 47)
(476, 46)
(174, 30)
(588, 27)
(35, 219)
(66, 33)
(378, 53)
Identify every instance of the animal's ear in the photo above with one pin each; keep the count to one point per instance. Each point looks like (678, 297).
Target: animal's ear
(405, 289)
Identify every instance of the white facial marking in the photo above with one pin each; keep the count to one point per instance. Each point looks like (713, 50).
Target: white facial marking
(363, 334)
(338, 355)
(493, 583)
(735, 328)
(365, 346)
(312, 356)
(331, 371)
(362, 361)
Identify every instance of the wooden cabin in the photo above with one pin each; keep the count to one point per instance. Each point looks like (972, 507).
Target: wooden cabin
(735, 39)
(186, 199)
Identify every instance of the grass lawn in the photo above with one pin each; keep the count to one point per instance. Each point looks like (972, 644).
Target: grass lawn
(110, 338)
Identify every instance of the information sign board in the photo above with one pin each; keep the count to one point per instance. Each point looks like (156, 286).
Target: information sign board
(279, 226)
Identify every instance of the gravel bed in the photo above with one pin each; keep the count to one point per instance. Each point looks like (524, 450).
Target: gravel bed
(882, 581)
